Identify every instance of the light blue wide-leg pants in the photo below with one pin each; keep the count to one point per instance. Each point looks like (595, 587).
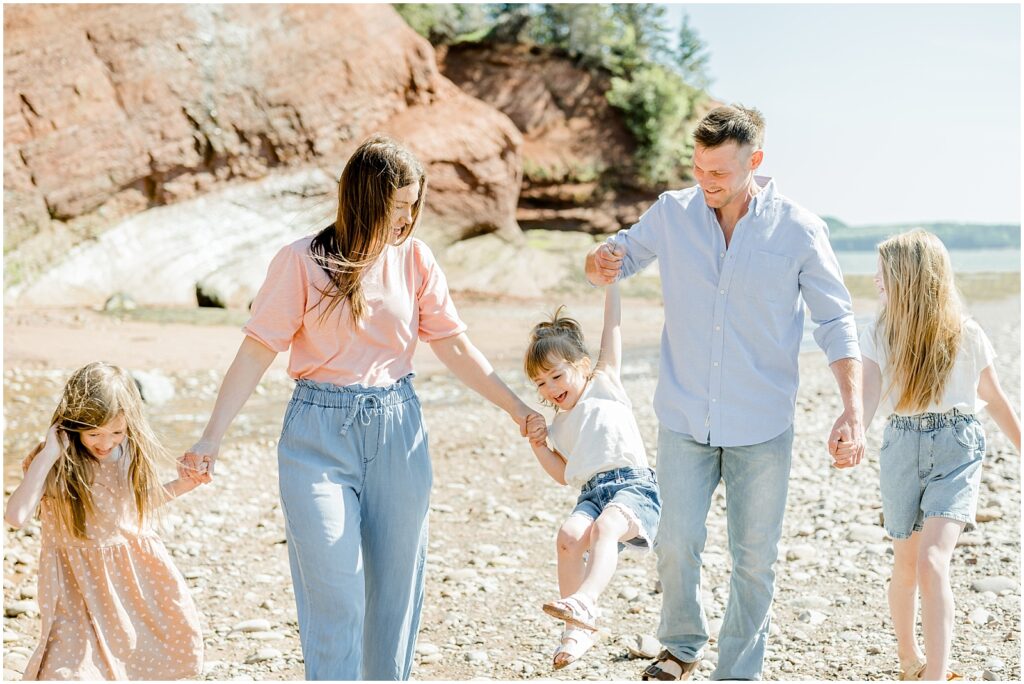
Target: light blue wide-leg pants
(355, 481)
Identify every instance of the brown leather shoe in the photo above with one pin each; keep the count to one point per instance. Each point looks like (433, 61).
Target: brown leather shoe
(657, 672)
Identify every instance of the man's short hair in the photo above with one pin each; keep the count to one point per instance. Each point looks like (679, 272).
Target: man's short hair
(736, 123)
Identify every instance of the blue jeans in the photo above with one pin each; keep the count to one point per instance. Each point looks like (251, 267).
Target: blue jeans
(355, 481)
(635, 489)
(756, 484)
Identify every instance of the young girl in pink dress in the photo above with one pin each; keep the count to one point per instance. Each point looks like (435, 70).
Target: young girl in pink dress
(113, 606)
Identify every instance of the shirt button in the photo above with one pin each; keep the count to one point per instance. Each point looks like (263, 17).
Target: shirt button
(718, 327)
(721, 292)
(721, 255)
(716, 363)
(713, 400)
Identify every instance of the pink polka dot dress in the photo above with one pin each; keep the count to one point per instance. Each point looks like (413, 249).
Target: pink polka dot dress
(113, 606)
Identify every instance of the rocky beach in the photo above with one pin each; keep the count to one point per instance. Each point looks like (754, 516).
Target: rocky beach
(494, 512)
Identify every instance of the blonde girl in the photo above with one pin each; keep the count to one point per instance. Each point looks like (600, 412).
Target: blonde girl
(596, 447)
(930, 367)
(112, 604)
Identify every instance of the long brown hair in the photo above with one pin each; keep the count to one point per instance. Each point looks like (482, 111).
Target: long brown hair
(95, 395)
(558, 338)
(919, 326)
(366, 191)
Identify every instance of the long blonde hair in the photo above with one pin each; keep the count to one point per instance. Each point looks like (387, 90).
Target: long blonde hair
(919, 326)
(375, 171)
(95, 395)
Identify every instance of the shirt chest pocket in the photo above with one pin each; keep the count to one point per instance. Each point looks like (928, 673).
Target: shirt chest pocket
(766, 275)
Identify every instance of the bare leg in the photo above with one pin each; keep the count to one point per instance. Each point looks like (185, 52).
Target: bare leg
(608, 530)
(903, 598)
(573, 541)
(938, 539)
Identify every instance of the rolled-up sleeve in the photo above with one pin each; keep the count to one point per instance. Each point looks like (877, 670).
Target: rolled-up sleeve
(438, 317)
(822, 287)
(280, 304)
(641, 239)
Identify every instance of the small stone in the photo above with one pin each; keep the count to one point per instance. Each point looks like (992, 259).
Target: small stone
(985, 515)
(629, 593)
(850, 635)
(263, 655)
(871, 534)
(119, 301)
(994, 664)
(479, 657)
(990, 676)
(266, 636)
(431, 659)
(27, 591)
(257, 625)
(154, 386)
(643, 646)
(812, 617)
(801, 552)
(980, 616)
(16, 608)
(996, 584)
(971, 539)
(979, 649)
(427, 649)
(811, 601)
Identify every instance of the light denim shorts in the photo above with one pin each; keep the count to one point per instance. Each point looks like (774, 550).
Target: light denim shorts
(930, 467)
(635, 489)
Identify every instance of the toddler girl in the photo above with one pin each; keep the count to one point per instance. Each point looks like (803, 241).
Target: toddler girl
(596, 446)
(112, 604)
(932, 368)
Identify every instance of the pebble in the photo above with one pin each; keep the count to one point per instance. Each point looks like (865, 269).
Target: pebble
(980, 616)
(971, 539)
(985, 515)
(28, 591)
(996, 584)
(811, 601)
(812, 617)
(16, 608)
(266, 636)
(801, 552)
(850, 635)
(643, 646)
(870, 534)
(629, 593)
(479, 657)
(990, 676)
(257, 625)
(994, 664)
(262, 655)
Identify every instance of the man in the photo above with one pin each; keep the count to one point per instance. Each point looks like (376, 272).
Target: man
(738, 263)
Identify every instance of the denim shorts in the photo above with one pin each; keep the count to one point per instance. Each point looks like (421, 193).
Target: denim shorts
(930, 467)
(635, 489)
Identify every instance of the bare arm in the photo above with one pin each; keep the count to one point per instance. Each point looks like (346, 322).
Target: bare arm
(610, 359)
(25, 499)
(551, 461)
(176, 488)
(474, 371)
(848, 428)
(871, 394)
(251, 362)
(999, 406)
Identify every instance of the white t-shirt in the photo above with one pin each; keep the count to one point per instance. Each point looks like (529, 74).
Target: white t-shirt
(599, 433)
(961, 391)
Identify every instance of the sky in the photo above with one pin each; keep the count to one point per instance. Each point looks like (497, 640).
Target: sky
(878, 113)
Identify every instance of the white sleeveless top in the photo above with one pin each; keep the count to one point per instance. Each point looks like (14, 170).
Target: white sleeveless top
(599, 433)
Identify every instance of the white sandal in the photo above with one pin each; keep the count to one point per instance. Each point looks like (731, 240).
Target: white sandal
(574, 642)
(576, 610)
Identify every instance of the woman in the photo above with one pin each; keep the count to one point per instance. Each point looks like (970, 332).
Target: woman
(354, 470)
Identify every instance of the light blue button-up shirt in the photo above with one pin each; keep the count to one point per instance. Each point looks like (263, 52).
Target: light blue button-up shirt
(734, 317)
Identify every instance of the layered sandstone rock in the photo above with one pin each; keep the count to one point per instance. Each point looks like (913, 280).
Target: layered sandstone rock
(113, 109)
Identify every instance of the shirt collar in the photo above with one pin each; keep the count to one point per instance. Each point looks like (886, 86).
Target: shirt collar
(765, 196)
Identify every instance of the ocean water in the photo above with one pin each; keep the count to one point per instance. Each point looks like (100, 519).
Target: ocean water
(964, 261)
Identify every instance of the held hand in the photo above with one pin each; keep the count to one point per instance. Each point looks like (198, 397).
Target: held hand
(607, 263)
(198, 462)
(536, 429)
(846, 441)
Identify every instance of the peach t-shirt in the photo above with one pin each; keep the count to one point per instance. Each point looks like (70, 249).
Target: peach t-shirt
(406, 299)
